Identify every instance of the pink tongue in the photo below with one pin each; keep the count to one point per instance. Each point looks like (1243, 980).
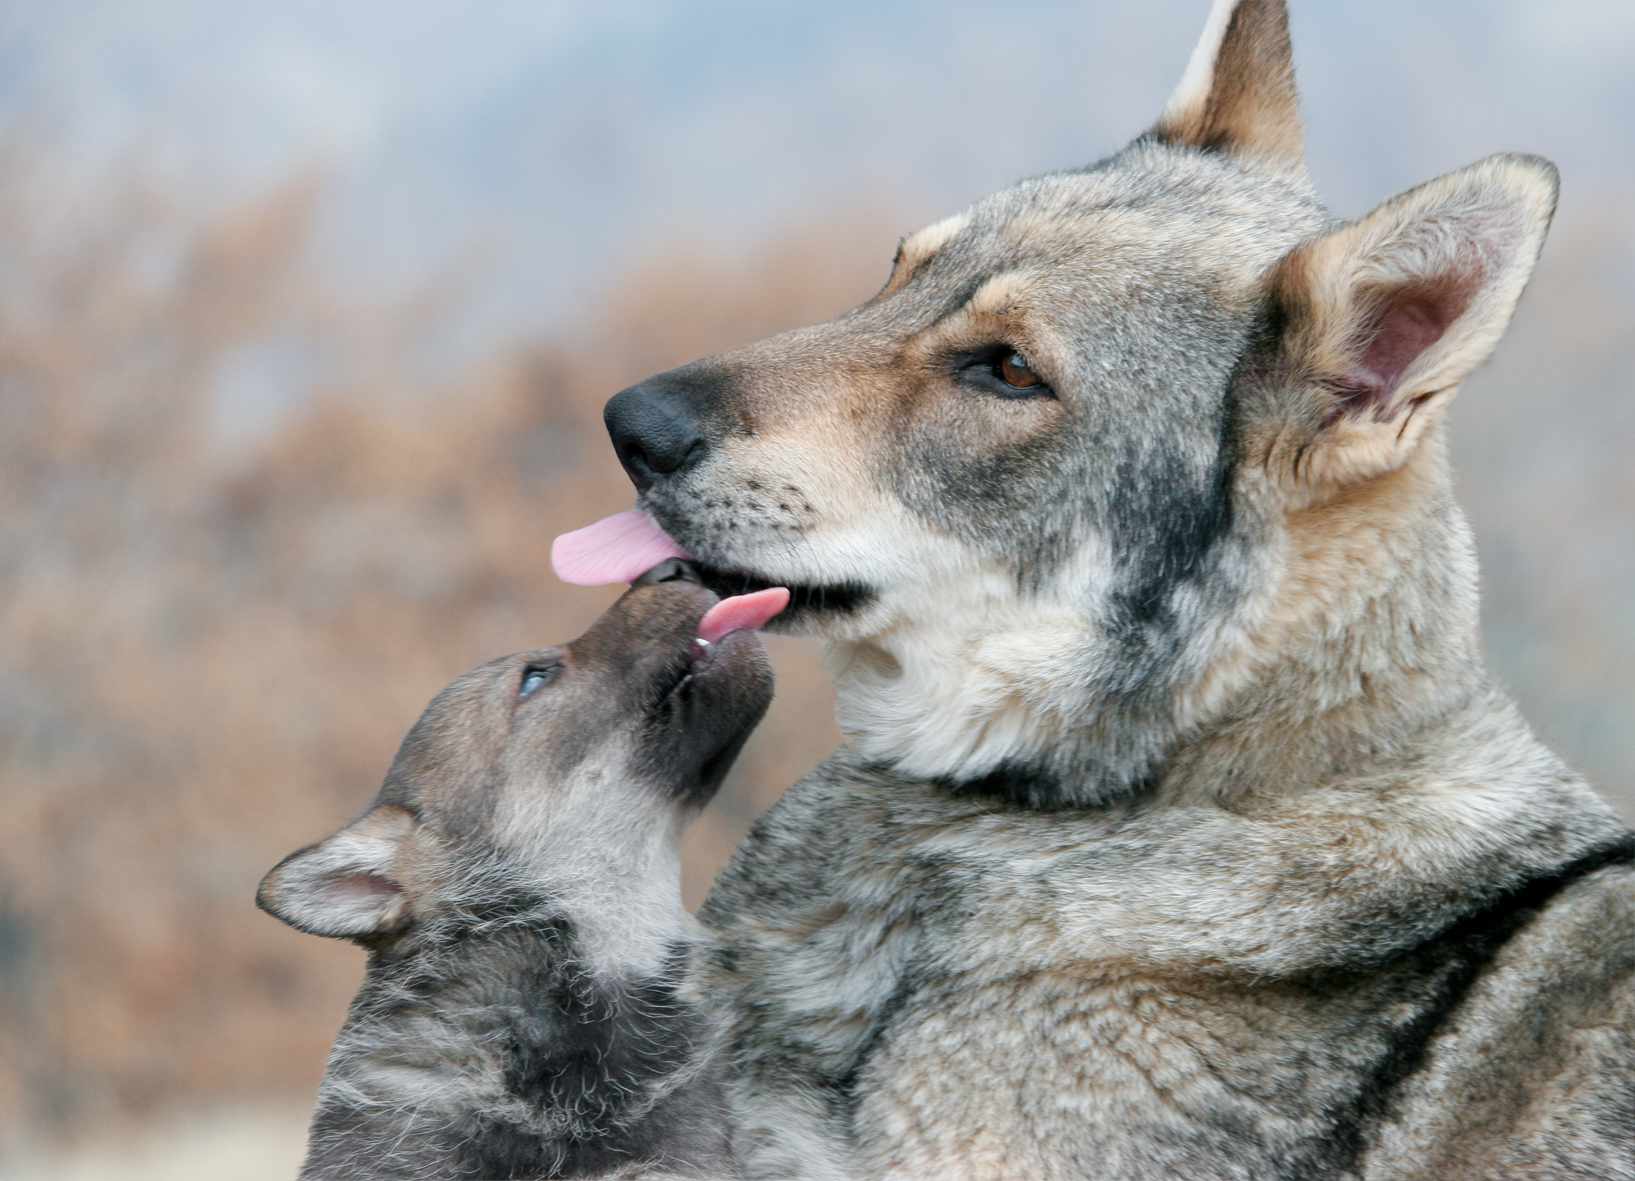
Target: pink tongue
(742, 613)
(620, 548)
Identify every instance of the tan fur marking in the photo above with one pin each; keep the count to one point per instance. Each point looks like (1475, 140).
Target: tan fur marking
(918, 248)
(1001, 295)
(1238, 93)
(922, 244)
(1341, 545)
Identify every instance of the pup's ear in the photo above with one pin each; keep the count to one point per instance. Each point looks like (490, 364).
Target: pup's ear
(1238, 93)
(1382, 319)
(345, 887)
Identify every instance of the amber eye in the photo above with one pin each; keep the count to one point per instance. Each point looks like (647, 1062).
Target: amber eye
(1014, 370)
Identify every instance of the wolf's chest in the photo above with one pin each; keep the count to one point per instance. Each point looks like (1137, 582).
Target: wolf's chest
(984, 1032)
(970, 1038)
(1096, 1072)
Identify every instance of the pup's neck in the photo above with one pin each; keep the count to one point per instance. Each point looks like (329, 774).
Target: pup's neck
(485, 1044)
(616, 873)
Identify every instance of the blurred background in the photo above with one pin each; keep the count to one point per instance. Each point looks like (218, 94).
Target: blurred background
(307, 313)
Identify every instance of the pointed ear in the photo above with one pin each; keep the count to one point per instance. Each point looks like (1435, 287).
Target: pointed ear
(1383, 318)
(345, 887)
(1238, 93)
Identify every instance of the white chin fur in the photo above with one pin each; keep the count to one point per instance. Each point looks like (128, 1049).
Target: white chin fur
(951, 670)
(957, 686)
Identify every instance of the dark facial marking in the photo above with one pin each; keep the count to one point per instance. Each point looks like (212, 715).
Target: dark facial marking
(1166, 526)
(1165, 522)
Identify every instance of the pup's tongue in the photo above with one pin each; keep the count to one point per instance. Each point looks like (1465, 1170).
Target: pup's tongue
(742, 613)
(620, 548)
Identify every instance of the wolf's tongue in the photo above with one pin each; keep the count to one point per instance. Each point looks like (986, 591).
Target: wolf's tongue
(623, 547)
(742, 613)
(619, 548)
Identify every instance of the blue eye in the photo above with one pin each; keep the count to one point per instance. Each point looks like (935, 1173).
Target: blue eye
(536, 677)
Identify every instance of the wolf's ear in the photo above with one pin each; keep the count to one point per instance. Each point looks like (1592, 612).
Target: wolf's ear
(1238, 93)
(345, 887)
(1380, 320)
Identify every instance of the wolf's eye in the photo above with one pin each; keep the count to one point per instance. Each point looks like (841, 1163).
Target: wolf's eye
(1013, 369)
(535, 677)
(1002, 370)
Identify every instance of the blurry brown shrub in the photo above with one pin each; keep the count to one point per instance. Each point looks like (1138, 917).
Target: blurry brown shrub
(214, 639)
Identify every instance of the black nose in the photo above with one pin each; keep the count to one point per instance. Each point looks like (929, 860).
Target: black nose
(655, 431)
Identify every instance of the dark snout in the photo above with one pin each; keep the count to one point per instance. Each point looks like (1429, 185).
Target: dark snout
(698, 702)
(665, 425)
(650, 626)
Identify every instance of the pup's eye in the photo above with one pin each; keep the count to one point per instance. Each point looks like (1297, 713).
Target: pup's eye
(535, 677)
(1013, 369)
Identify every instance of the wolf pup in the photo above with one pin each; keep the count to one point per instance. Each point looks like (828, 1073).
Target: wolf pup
(1179, 831)
(517, 884)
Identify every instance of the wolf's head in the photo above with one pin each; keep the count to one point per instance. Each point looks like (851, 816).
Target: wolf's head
(1114, 448)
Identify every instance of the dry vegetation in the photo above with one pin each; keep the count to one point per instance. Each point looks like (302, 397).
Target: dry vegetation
(214, 639)
(213, 649)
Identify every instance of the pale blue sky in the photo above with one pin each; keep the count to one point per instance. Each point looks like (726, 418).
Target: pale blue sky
(566, 139)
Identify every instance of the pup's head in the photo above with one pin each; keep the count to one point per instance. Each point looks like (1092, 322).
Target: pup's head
(1035, 486)
(561, 776)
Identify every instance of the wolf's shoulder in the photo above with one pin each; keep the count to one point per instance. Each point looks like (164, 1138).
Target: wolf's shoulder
(853, 834)
(1533, 1073)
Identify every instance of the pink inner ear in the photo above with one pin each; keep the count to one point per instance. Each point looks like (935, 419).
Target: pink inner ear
(366, 885)
(1411, 321)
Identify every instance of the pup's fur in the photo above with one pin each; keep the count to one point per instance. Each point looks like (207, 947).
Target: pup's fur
(1180, 831)
(517, 883)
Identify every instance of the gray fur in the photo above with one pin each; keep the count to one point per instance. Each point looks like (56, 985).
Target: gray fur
(525, 1011)
(1180, 831)
(484, 1045)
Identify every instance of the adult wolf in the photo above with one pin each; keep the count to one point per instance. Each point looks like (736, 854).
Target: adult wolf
(1179, 831)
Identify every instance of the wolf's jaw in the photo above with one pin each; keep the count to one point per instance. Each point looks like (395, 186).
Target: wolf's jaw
(808, 604)
(963, 701)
